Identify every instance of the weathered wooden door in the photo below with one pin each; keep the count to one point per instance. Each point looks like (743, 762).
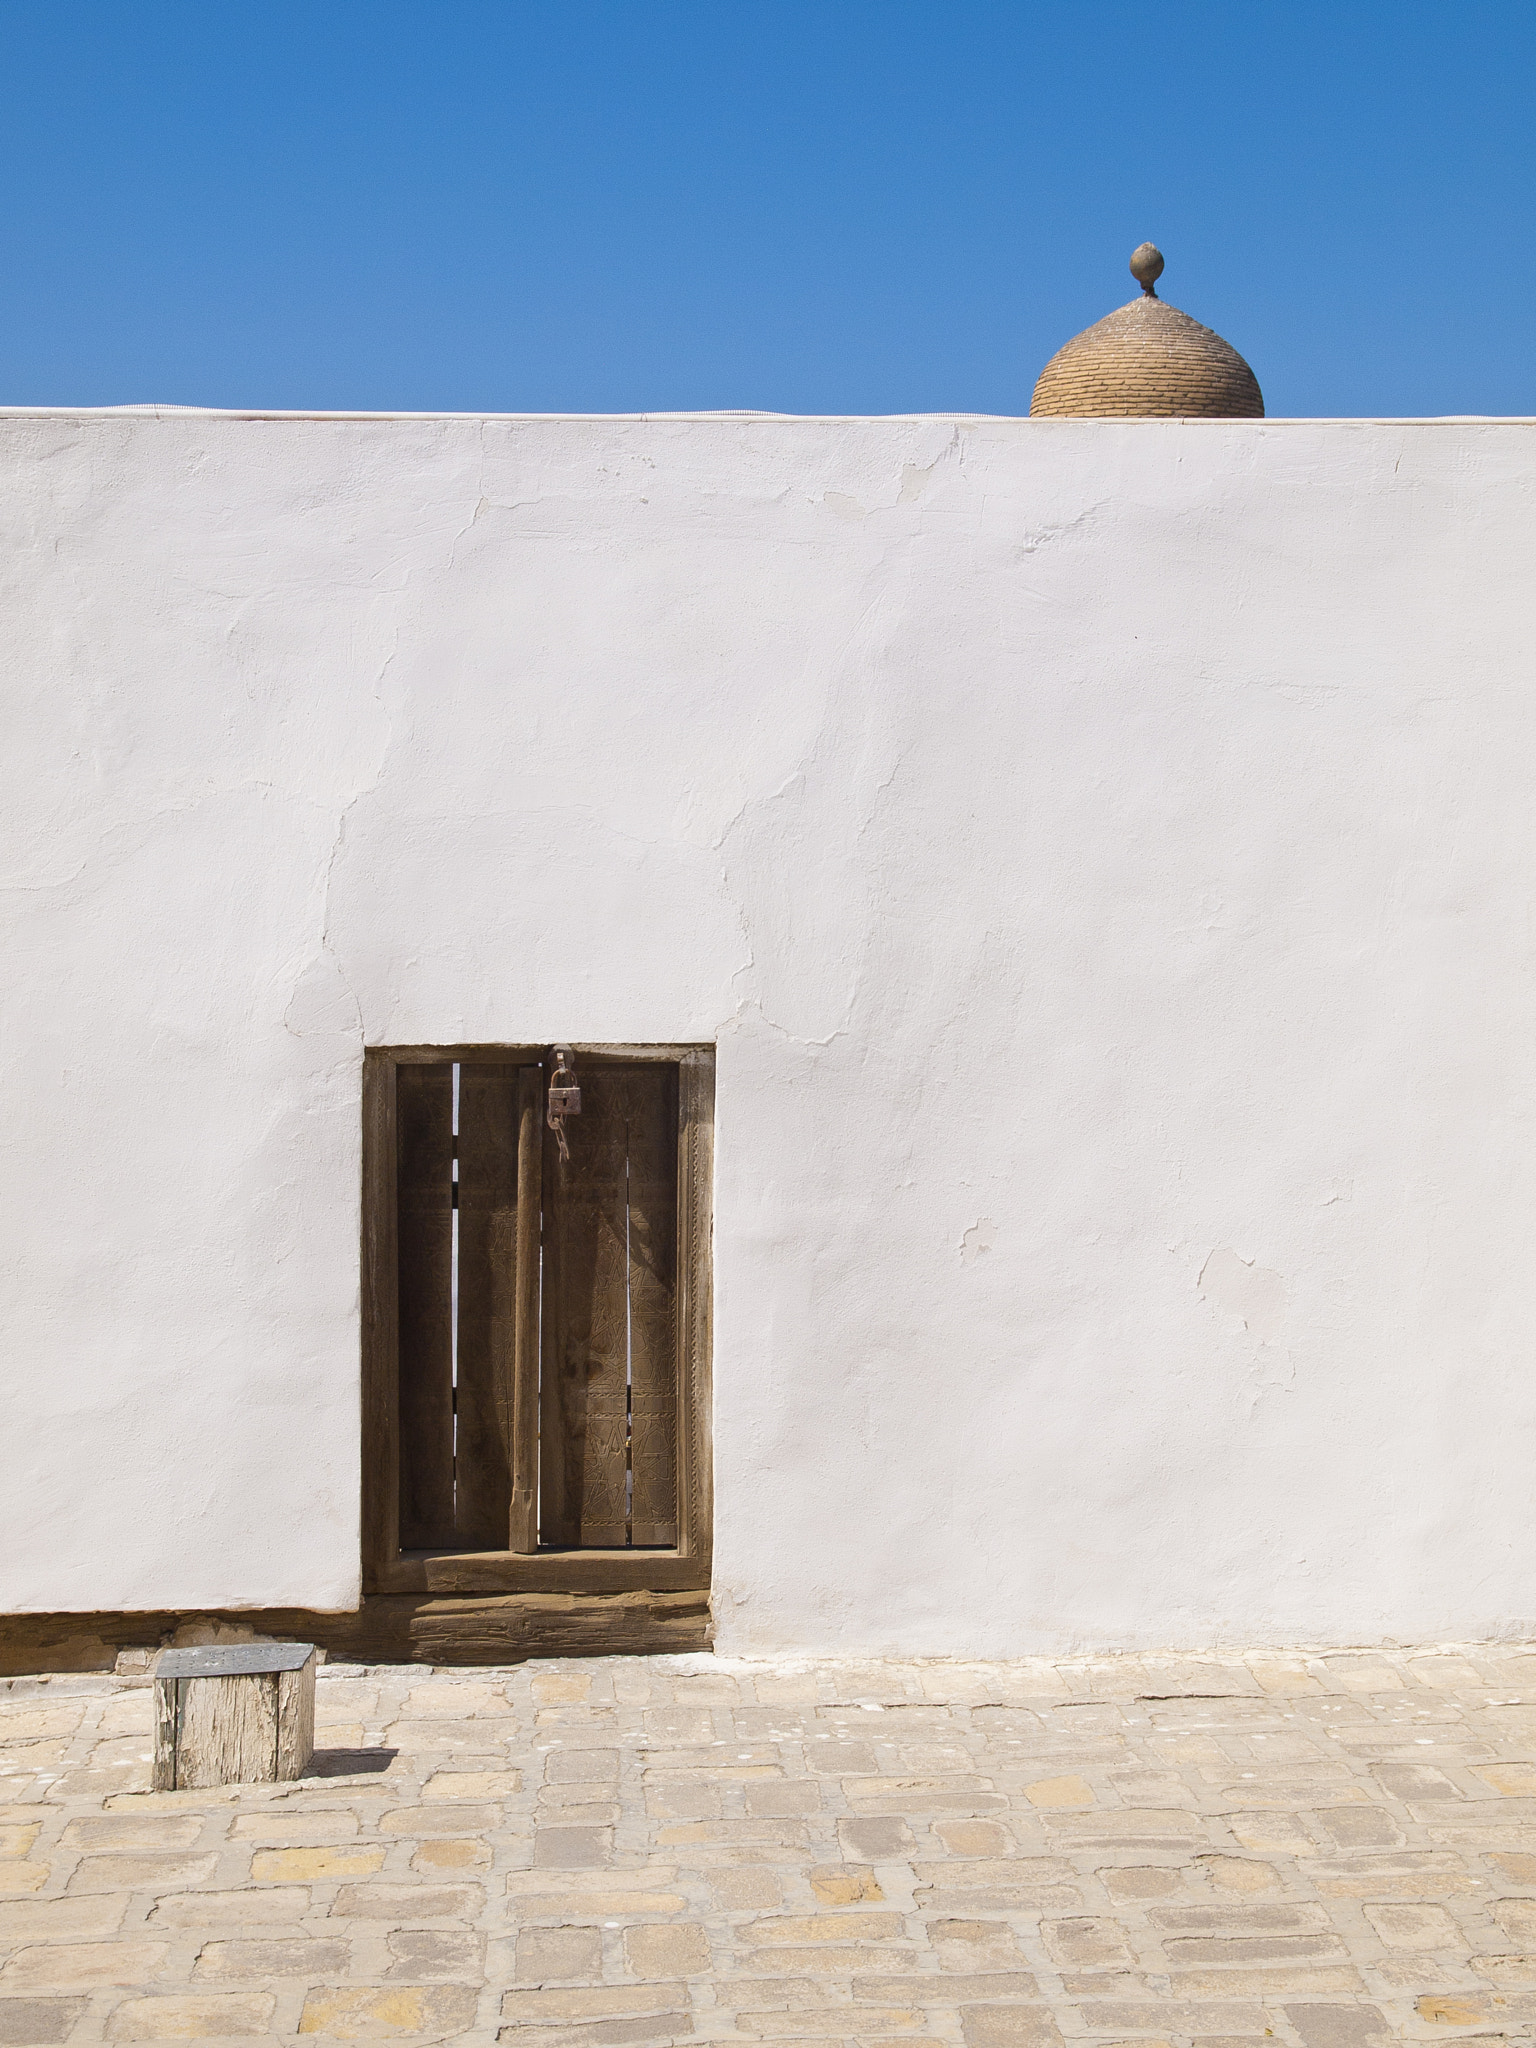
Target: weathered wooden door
(545, 1331)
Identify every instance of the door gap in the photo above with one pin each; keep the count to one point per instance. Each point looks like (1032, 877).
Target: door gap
(538, 1352)
(453, 1293)
(629, 1364)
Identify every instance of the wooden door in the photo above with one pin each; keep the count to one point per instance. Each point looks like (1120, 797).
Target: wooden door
(544, 1361)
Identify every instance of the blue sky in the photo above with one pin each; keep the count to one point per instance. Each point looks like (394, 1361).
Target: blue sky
(806, 205)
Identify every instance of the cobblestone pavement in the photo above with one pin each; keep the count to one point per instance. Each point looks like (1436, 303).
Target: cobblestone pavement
(1328, 1851)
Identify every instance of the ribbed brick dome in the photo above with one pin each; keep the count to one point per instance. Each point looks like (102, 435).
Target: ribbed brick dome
(1147, 361)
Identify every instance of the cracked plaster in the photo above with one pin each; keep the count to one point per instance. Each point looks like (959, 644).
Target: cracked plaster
(1092, 845)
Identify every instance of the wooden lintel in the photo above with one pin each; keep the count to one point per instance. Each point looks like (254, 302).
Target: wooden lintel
(626, 1055)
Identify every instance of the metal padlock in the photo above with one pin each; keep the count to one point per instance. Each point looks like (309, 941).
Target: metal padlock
(564, 1090)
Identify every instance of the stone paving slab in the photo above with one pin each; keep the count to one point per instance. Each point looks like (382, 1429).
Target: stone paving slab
(1331, 1851)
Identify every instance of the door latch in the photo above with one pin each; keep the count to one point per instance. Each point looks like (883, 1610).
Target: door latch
(564, 1097)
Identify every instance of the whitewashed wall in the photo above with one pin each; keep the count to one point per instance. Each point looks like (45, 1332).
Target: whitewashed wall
(1104, 853)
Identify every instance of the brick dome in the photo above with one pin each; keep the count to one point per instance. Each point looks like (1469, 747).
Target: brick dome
(1147, 361)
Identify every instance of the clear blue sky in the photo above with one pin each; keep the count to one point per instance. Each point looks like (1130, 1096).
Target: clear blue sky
(805, 205)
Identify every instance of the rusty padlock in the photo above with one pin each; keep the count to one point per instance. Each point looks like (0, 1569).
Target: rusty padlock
(564, 1097)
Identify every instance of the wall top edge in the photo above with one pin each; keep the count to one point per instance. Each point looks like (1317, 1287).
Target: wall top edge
(1047, 426)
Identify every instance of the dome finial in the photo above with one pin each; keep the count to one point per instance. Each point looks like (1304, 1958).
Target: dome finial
(1147, 267)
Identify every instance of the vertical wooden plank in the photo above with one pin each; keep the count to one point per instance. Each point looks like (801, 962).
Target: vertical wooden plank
(380, 1320)
(650, 1109)
(424, 1170)
(488, 1159)
(559, 1518)
(583, 1424)
(523, 1521)
(695, 1305)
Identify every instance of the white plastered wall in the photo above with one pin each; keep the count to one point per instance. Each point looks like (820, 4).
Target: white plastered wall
(1103, 853)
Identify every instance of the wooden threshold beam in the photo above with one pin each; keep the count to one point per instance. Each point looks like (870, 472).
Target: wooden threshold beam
(389, 1628)
(555, 1571)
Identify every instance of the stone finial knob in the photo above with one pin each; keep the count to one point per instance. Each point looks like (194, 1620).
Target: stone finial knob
(1147, 267)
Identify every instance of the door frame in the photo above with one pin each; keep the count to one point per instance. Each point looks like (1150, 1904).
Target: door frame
(388, 1569)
